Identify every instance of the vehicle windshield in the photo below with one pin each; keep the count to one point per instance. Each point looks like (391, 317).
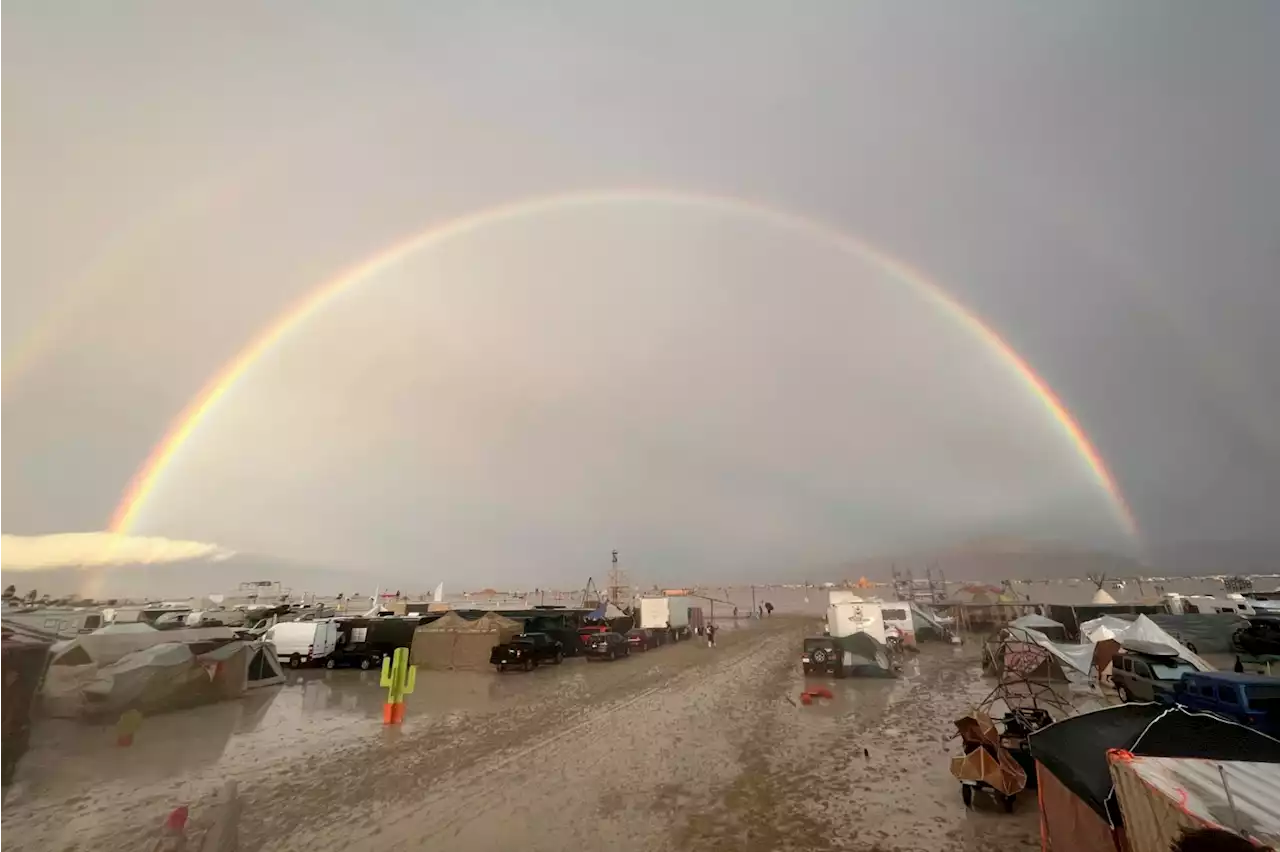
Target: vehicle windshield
(1263, 697)
(1170, 669)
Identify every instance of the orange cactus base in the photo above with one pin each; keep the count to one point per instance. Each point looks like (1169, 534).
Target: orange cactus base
(393, 714)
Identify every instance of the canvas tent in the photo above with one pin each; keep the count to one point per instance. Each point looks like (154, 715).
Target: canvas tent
(453, 642)
(1078, 812)
(263, 668)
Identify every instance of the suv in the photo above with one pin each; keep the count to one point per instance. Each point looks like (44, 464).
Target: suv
(1248, 699)
(607, 646)
(525, 651)
(820, 655)
(1143, 670)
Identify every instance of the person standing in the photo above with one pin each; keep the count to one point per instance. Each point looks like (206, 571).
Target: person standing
(711, 635)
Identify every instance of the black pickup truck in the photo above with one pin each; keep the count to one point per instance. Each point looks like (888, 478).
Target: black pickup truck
(525, 651)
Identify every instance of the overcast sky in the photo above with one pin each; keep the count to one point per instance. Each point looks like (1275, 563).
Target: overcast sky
(691, 383)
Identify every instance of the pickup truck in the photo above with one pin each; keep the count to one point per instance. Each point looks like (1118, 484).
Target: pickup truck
(525, 651)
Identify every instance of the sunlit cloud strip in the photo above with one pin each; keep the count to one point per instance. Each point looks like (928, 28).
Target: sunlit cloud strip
(145, 481)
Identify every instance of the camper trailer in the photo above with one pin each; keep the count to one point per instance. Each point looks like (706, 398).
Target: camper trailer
(863, 630)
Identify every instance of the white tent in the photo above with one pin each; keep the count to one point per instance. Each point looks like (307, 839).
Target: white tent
(1035, 622)
(1141, 628)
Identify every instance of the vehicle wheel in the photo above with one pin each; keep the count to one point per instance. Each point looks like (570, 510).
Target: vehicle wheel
(966, 795)
(366, 663)
(559, 657)
(1191, 646)
(502, 667)
(1124, 694)
(1009, 802)
(331, 663)
(295, 661)
(819, 656)
(528, 665)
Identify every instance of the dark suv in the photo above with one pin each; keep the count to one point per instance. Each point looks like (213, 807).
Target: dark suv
(607, 646)
(820, 655)
(525, 651)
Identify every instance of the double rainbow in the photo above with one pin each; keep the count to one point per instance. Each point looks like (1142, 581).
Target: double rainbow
(148, 477)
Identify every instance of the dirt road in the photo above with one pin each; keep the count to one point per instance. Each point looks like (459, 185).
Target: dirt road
(685, 747)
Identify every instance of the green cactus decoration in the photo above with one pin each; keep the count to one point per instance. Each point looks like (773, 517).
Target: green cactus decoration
(398, 677)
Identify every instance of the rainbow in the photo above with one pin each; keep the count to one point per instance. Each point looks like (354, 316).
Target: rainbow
(148, 476)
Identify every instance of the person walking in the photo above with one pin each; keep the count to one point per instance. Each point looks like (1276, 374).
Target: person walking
(711, 635)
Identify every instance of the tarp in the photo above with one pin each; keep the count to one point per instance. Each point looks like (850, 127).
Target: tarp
(1073, 661)
(1161, 797)
(1075, 749)
(1141, 629)
(453, 642)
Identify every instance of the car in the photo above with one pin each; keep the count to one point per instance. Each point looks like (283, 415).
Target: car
(640, 639)
(1260, 637)
(1141, 671)
(526, 651)
(819, 655)
(1248, 699)
(607, 646)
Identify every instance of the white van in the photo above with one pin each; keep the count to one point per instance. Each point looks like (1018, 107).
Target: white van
(303, 643)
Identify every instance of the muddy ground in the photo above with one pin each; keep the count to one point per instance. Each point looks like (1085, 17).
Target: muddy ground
(684, 747)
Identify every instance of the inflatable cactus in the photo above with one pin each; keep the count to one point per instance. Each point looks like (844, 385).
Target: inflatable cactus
(398, 678)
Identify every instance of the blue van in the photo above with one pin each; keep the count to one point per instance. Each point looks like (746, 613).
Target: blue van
(1252, 700)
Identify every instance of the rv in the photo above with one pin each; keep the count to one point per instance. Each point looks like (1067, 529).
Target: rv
(864, 631)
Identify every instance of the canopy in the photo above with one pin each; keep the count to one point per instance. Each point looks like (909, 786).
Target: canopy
(1035, 621)
(605, 612)
(1075, 749)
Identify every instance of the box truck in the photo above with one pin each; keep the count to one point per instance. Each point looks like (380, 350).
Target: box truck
(666, 612)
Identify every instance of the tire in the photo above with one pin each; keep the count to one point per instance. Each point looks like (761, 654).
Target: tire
(966, 795)
(559, 657)
(295, 661)
(331, 663)
(1009, 802)
(528, 665)
(819, 656)
(366, 664)
(1124, 694)
(502, 667)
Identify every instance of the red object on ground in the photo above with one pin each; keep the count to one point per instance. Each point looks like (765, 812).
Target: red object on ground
(124, 740)
(177, 820)
(806, 697)
(393, 714)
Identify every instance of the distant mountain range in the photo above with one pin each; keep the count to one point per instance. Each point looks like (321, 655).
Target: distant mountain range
(993, 559)
(192, 578)
(987, 560)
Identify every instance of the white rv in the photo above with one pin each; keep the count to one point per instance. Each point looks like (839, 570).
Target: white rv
(302, 643)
